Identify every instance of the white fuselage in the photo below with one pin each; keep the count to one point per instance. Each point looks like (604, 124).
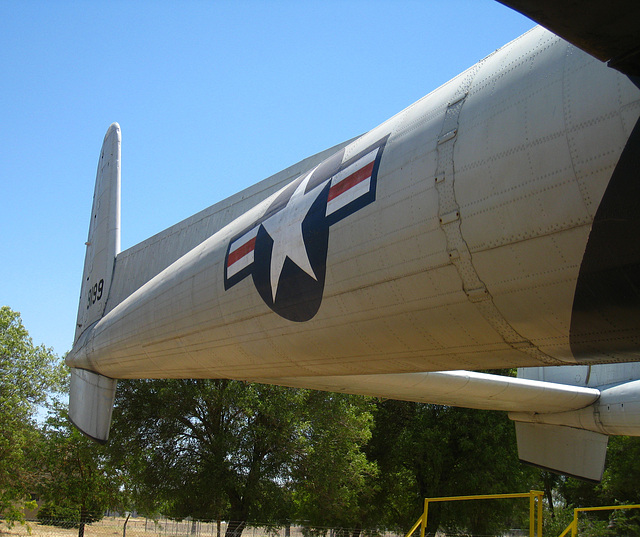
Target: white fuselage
(467, 258)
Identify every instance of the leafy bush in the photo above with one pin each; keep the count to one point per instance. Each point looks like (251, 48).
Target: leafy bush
(57, 515)
(625, 523)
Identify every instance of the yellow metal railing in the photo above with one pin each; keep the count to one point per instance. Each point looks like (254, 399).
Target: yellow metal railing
(573, 527)
(533, 495)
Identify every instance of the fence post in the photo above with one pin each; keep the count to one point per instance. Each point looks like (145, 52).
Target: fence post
(539, 496)
(423, 526)
(531, 512)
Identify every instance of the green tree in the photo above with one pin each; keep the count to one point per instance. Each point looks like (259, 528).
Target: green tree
(28, 373)
(333, 479)
(209, 449)
(621, 480)
(620, 485)
(247, 453)
(429, 451)
(76, 477)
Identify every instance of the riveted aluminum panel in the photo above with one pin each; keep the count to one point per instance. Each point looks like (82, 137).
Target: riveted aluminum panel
(403, 291)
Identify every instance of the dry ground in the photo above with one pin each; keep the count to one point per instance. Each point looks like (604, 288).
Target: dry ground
(142, 527)
(112, 526)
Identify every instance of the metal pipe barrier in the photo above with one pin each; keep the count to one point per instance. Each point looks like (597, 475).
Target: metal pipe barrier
(533, 495)
(573, 527)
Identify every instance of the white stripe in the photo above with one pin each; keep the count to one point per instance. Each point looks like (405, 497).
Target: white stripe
(241, 263)
(246, 259)
(348, 196)
(353, 168)
(244, 239)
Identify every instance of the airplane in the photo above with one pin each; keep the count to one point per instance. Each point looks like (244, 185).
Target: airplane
(492, 224)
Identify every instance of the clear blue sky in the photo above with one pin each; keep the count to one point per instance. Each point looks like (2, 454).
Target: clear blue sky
(211, 97)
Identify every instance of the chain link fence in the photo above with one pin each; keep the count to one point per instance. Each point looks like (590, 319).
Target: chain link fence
(143, 527)
(112, 526)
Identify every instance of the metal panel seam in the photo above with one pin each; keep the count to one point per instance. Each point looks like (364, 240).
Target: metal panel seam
(450, 220)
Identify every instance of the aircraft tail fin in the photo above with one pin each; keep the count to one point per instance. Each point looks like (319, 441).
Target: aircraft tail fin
(567, 450)
(575, 441)
(103, 242)
(91, 395)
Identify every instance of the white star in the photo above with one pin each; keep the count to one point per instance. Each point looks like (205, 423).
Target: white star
(285, 228)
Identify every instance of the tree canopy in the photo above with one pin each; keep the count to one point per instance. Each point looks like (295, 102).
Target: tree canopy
(27, 374)
(222, 449)
(256, 454)
(426, 451)
(75, 476)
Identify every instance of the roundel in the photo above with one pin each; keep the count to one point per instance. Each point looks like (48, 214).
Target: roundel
(285, 251)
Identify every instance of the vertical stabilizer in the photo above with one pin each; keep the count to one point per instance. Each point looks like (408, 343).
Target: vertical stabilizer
(91, 395)
(575, 442)
(91, 403)
(575, 452)
(103, 243)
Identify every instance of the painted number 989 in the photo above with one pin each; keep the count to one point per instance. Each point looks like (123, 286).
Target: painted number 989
(95, 293)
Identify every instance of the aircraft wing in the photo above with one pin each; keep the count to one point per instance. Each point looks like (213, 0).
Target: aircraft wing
(561, 427)
(467, 389)
(607, 30)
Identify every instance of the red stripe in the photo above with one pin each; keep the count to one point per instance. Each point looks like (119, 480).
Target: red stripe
(239, 253)
(357, 177)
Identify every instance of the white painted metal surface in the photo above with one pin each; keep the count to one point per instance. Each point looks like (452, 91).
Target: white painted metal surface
(140, 263)
(469, 231)
(467, 389)
(615, 412)
(407, 289)
(103, 242)
(91, 403)
(570, 451)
